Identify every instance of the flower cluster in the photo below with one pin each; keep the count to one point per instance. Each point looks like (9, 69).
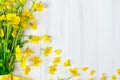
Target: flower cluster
(74, 71)
(15, 19)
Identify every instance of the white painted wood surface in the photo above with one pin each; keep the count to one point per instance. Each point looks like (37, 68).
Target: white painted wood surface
(86, 30)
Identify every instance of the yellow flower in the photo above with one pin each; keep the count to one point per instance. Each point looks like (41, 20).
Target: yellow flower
(13, 18)
(47, 51)
(14, 34)
(2, 18)
(39, 7)
(10, 16)
(92, 72)
(52, 69)
(84, 68)
(60, 79)
(47, 38)
(113, 77)
(24, 58)
(13, 0)
(36, 61)
(22, 1)
(16, 20)
(28, 51)
(74, 71)
(118, 71)
(51, 79)
(24, 19)
(103, 77)
(23, 62)
(90, 78)
(27, 70)
(56, 60)
(17, 49)
(36, 39)
(32, 17)
(7, 4)
(67, 63)
(1, 32)
(58, 51)
(15, 26)
(26, 13)
(24, 25)
(34, 25)
(17, 53)
(17, 56)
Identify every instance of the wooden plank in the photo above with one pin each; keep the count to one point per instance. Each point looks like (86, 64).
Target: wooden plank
(106, 37)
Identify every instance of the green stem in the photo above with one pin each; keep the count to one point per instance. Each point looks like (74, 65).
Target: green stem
(15, 40)
(32, 5)
(69, 78)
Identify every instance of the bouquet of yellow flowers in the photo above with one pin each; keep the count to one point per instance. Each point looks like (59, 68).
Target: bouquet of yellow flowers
(15, 19)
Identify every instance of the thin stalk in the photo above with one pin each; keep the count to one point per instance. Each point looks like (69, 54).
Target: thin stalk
(32, 5)
(15, 40)
(69, 78)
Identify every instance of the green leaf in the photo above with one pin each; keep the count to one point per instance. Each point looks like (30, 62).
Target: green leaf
(30, 36)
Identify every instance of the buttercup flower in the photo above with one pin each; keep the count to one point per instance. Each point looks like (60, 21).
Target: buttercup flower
(103, 77)
(36, 61)
(13, 18)
(47, 38)
(25, 15)
(74, 71)
(2, 18)
(17, 49)
(39, 7)
(17, 53)
(34, 25)
(90, 78)
(113, 77)
(67, 63)
(51, 79)
(24, 25)
(10, 16)
(15, 26)
(52, 69)
(58, 51)
(60, 79)
(84, 68)
(56, 60)
(47, 51)
(17, 56)
(92, 72)
(35, 39)
(7, 4)
(27, 70)
(22, 1)
(14, 34)
(118, 71)
(23, 62)
(28, 51)
(13, 0)
(1, 32)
